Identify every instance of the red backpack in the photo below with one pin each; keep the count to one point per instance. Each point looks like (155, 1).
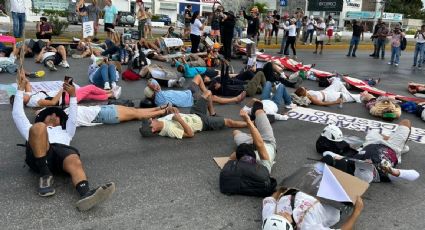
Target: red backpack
(130, 75)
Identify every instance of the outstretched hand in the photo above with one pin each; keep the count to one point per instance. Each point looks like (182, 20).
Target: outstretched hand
(21, 80)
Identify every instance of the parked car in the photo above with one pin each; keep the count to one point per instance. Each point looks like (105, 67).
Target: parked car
(126, 18)
(162, 18)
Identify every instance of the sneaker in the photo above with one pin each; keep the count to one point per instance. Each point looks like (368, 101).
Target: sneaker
(76, 56)
(116, 91)
(310, 44)
(172, 83)
(353, 55)
(114, 84)
(95, 196)
(396, 64)
(348, 55)
(51, 66)
(419, 67)
(389, 63)
(291, 106)
(371, 55)
(405, 149)
(64, 64)
(180, 82)
(413, 66)
(107, 86)
(45, 187)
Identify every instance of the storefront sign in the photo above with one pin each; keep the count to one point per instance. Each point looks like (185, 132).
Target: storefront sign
(371, 15)
(325, 5)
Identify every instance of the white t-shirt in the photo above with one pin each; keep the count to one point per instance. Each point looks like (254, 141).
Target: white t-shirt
(310, 24)
(321, 33)
(37, 96)
(308, 213)
(292, 29)
(270, 108)
(8, 60)
(17, 6)
(271, 151)
(331, 24)
(86, 114)
(195, 27)
(46, 55)
(420, 38)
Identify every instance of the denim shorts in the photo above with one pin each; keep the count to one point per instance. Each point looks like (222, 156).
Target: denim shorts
(107, 115)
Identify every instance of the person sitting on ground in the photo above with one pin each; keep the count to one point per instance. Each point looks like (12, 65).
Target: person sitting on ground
(104, 74)
(150, 50)
(334, 94)
(190, 72)
(261, 137)
(88, 48)
(185, 98)
(274, 72)
(54, 98)
(165, 77)
(159, 42)
(48, 150)
(44, 29)
(383, 106)
(383, 153)
(177, 125)
(233, 86)
(115, 114)
(51, 57)
(286, 211)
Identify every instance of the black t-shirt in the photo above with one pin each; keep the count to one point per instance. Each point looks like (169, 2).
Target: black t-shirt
(187, 12)
(253, 24)
(276, 22)
(357, 30)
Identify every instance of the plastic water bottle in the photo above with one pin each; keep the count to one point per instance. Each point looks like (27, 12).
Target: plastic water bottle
(341, 102)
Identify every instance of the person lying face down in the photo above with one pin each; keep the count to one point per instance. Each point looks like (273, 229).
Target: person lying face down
(178, 125)
(185, 98)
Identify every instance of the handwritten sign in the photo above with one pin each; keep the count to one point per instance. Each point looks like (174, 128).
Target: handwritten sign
(88, 29)
(173, 42)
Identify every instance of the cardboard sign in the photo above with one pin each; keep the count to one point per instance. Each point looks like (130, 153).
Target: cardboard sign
(88, 29)
(221, 161)
(173, 42)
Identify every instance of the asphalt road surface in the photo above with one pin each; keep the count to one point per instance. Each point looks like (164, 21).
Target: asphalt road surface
(164, 183)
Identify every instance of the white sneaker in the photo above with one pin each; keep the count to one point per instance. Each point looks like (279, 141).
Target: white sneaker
(172, 83)
(51, 66)
(396, 64)
(389, 63)
(180, 82)
(64, 64)
(106, 86)
(332, 154)
(405, 149)
(291, 106)
(116, 91)
(114, 84)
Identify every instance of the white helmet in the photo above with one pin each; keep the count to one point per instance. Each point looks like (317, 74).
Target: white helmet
(332, 133)
(276, 222)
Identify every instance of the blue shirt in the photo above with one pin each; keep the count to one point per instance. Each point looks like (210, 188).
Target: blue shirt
(110, 12)
(191, 72)
(176, 97)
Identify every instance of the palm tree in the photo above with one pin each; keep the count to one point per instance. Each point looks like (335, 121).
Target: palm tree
(262, 7)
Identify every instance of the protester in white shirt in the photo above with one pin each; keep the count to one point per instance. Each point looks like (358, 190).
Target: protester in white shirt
(292, 37)
(114, 114)
(196, 27)
(320, 34)
(330, 30)
(311, 23)
(51, 57)
(17, 7)
(419, 47)
(48, 150)
(307, 213)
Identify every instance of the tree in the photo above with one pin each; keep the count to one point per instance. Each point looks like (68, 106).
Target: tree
(410, 8)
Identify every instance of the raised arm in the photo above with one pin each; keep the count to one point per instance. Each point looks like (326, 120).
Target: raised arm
(71, 123)
(349, 224)
(256, 136)
(18, 113)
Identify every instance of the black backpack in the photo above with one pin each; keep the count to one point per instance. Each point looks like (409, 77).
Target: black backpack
(243, 178)
(403, 43)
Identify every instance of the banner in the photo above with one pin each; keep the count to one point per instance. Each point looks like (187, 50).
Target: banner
(88, 29)
(353, 123)
(325, 5)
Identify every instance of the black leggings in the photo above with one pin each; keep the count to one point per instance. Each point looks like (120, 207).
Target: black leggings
(290, 41)
(195, 39)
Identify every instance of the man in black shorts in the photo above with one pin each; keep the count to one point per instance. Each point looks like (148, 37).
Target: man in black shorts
(51, 57)
(187, 18)
(177, 125)
(48, 150)
(275, 24)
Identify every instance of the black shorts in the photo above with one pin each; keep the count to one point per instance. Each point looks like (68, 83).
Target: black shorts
(200, 108)
(196, 91)
(57, 58)
(319, 42)
(55, 157)
(275, 30)
(108, 26)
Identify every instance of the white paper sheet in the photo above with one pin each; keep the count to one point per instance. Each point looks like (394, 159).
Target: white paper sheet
(330, 188)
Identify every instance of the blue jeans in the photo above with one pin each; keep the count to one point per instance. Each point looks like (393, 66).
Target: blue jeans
(84, 19)
(280, 95)
(309, 33)
(18, 24)
(395, 54)
(111, 48)
(283, 43)
(353, 45)
(380, 47)
(238, 32)
(419, 49)
(106, 73)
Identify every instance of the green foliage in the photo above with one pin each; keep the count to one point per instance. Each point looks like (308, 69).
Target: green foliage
(411, 32)
(262, 7)
(58, 25)
(410, 8)
(60, 13)
(155, 17)
(35, 10)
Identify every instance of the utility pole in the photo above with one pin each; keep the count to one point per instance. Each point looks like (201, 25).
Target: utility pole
(379, 7)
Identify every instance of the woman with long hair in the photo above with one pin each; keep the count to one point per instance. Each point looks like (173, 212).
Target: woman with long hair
(196, 27)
